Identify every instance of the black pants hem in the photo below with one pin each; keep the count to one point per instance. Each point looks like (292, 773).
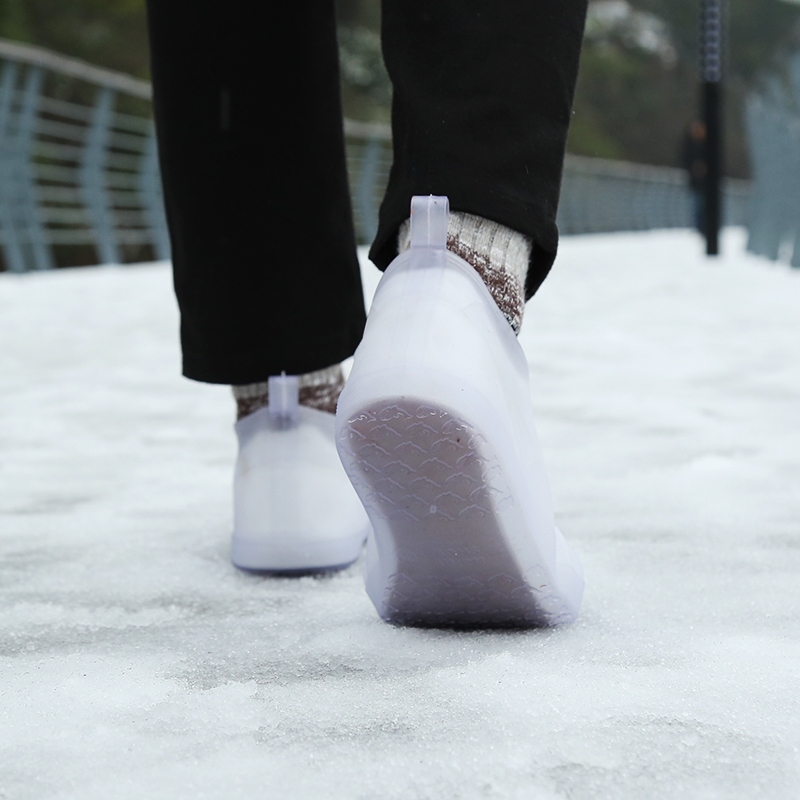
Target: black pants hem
(531, 219)
(248, 115)
(237, 367)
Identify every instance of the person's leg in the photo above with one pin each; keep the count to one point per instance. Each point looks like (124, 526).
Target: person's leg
(481, 108)
(246, 98)
(435, 425)
(251, 144)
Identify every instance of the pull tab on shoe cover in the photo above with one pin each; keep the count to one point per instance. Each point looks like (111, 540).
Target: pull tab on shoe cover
(284, 395)
(429, 217)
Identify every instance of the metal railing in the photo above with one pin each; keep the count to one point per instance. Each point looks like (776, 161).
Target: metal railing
(369, 159)
(772, 119)
(597, 195)
(79, 179)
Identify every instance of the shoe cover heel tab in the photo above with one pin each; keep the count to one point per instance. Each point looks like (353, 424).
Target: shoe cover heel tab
(284, 400)
(429, 217)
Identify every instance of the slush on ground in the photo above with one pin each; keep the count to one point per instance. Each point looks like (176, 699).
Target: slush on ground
(137, 662)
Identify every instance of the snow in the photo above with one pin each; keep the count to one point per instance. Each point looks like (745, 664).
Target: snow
(136, 662)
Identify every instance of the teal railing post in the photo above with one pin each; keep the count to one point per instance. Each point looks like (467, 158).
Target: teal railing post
(35, 243)
(92, 178)
(773, 132)
(12, 249)
(365, 191)
(794, 80)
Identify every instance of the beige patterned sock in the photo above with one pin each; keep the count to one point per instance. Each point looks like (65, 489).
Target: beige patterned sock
(320, 390)
(497, 253)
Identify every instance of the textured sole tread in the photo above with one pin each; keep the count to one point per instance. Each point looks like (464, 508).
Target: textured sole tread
(431, 483)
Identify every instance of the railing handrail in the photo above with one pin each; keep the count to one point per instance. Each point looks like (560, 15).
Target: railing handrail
(74, 67)
(86, 175)
(633, 170)
(367, 130)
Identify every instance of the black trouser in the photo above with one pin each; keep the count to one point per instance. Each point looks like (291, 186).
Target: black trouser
(248, 115)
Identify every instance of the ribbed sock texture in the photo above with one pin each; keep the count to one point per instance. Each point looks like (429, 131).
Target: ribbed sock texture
(497, 253)
(320, 390)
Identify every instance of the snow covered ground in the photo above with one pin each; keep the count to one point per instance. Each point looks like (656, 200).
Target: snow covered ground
(137, 663)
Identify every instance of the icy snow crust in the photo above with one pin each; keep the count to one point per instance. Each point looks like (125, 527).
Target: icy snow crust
(136, 662)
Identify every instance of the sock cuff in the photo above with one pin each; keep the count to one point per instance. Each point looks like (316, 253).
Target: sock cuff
(319, 389)
(497, 253)
(320, 377)
(326, 375)
(503, 247)
(250, 391)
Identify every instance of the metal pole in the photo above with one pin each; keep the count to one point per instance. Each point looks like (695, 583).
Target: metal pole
(711, 22)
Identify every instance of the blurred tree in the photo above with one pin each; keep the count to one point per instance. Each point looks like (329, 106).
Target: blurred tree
(628, 89)
(354, 13)
(637, 89)
(110, 33)
(756, 30)
(758, 35)
(632, 93)
(13, 20)
(366, 89)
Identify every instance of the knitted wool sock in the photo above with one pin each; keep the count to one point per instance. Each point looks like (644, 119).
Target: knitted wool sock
(320, 390)
(498, 254)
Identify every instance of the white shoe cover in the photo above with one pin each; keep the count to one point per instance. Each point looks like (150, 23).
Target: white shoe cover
(435, 429)
(294, 509)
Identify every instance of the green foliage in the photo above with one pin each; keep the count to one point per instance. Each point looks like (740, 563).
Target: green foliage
(757, 30)
(587, 137)
(628, 99)
(758, 34)
(631, 102)
(14, 20)
(366, 88)
(110, 33)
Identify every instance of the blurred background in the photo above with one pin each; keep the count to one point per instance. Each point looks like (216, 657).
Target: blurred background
(77, 160)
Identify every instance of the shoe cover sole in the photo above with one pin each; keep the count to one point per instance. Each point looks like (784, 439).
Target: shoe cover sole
(439, 503)
(299, 572)
(309, 558)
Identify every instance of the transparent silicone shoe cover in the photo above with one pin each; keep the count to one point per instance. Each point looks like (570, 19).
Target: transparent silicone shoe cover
(435, 429)
(294, 509)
